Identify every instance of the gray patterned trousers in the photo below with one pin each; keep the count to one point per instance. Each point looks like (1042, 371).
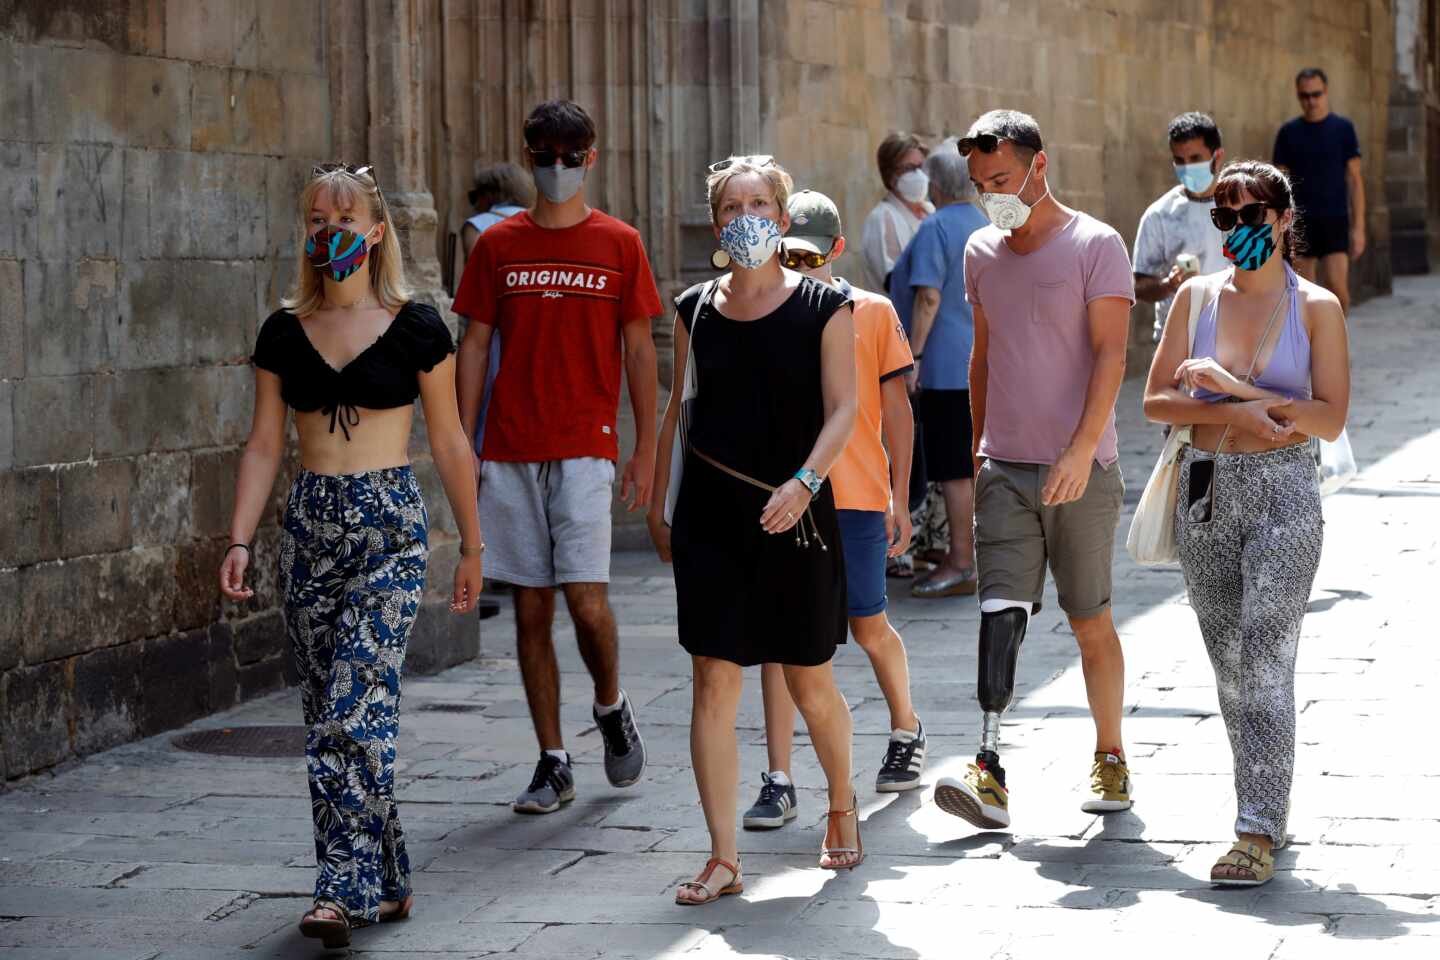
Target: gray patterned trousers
(1249, 571)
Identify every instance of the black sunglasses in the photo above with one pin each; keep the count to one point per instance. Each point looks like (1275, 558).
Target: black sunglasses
(546, 157)
(1309, 94)
(984, 142)
(758, 160)
(1252, 215)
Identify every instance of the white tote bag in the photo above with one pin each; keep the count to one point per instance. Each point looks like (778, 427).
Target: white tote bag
(1152, 530)
(681, 444)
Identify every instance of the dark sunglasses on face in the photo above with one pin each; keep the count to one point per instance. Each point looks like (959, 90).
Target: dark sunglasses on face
(758, 160)
(1310, 94)
(1252, 215)
(794, 259)
(546, 157)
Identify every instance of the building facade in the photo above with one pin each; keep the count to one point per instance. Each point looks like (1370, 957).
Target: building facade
(151, 152)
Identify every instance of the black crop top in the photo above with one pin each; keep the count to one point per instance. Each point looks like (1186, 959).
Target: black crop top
(381, 376)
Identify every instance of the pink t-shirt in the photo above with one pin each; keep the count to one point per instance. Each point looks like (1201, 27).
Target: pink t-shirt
(1040, 359)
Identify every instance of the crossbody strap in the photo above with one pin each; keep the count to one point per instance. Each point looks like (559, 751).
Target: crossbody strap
(1259, 348)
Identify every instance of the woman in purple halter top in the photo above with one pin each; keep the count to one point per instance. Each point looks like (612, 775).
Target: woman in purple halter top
(1270, 369)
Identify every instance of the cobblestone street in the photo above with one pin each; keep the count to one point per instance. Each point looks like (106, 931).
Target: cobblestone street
(147, 851)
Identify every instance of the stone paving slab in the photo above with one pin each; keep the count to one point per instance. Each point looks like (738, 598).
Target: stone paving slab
(148, 853)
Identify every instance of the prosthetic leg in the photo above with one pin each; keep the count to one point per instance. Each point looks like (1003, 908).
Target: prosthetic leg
(982, 797)
(1001, 633)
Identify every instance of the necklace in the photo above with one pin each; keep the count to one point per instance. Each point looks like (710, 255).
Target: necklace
(351, 305)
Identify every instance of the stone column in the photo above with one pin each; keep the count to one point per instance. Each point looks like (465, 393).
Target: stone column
(378, 100)
(1410, 140)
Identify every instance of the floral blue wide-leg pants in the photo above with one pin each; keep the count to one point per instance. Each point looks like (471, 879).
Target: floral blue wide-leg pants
(352, 571)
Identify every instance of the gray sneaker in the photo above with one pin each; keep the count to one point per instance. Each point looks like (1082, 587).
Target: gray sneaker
(552, 785)
(624, 750)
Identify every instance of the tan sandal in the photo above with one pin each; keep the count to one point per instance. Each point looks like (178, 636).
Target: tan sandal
(1248, 857)
(331, 932)
(701, 883)
(828, 851)
(401, 911)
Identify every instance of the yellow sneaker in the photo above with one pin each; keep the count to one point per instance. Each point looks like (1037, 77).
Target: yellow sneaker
(1110, 787)
(980, 798)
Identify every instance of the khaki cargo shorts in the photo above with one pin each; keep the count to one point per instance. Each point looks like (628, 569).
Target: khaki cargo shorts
(1015, 536)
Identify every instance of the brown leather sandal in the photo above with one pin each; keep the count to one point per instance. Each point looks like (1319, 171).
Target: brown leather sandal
(1244, 857)
(401, 911)
(331, 932)
(701, 883)
(828, 851)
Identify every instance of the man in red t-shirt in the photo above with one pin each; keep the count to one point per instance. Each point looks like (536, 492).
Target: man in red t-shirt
(571, 292)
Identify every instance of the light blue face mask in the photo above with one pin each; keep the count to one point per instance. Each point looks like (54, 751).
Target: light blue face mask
(1195, 177)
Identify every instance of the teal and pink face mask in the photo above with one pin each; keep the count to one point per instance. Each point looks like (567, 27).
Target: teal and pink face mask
(337, 251)
(1250, 247)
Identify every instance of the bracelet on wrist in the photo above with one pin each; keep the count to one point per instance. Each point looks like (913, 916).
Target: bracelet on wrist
(472, 551)
(242, 546)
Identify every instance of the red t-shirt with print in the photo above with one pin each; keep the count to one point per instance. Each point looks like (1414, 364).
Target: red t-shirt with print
(559, 299)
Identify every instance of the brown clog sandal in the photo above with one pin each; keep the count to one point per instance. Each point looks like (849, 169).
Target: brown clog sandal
(332, 933)
(701, 884)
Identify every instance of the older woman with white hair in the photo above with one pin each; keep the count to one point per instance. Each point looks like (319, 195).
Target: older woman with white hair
(928, 287)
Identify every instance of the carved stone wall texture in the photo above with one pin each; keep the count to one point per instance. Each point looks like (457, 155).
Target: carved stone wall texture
(150, 156)
(151, 152)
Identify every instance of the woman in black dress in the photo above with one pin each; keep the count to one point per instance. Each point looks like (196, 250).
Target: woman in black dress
(759, 575)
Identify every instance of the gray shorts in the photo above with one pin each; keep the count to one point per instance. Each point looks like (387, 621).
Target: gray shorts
(547, 523)
(1015, 536)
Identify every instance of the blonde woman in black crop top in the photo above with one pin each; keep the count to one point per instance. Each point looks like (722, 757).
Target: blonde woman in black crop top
(349, 355)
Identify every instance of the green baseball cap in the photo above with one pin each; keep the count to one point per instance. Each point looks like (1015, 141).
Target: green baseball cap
(814, 222)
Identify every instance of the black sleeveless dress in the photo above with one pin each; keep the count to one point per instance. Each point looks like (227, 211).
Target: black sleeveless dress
(745, 595)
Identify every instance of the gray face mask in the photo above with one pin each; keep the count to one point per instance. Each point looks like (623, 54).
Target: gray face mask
(559, 183)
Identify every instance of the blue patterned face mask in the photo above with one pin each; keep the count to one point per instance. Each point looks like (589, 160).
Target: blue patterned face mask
(750, 240)
(1249, 247)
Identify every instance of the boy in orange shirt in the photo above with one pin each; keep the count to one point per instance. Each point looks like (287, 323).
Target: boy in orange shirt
(867, 486)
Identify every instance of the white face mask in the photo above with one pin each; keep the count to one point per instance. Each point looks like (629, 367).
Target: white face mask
(913, 186)
(1006, 210)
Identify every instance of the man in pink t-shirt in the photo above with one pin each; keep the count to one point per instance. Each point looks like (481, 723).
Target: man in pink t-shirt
(1051, 289)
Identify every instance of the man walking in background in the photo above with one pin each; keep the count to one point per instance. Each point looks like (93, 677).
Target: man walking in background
(929, 279)
(1321, 152)
(1051, 290)
(567, 286)
(1175, 239)
(870, 500)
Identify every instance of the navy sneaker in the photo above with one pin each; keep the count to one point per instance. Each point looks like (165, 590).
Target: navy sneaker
(775, 807)
(903, 764)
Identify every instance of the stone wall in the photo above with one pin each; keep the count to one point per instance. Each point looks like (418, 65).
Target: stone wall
(1103, 78)
(150, 156)
(1412, 187)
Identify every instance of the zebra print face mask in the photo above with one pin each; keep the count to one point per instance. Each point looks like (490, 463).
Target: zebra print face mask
(1249, 247)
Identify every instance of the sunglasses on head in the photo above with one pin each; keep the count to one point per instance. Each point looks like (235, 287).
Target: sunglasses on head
(1252, 215)
(984, 142)
(757, 160)
(354, 169)
(794, 259)
(546, 157)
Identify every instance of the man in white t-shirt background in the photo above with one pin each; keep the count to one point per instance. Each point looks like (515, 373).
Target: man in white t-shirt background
(1176, 239)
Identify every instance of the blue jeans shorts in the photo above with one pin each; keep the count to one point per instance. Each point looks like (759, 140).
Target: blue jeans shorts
(862, 536)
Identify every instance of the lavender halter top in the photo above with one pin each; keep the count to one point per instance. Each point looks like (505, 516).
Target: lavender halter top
(1288, 370)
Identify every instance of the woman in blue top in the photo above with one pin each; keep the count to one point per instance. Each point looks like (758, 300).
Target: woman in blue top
(1270, 369)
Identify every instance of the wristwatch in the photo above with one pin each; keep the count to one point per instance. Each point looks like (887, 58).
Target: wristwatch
(811, 479)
